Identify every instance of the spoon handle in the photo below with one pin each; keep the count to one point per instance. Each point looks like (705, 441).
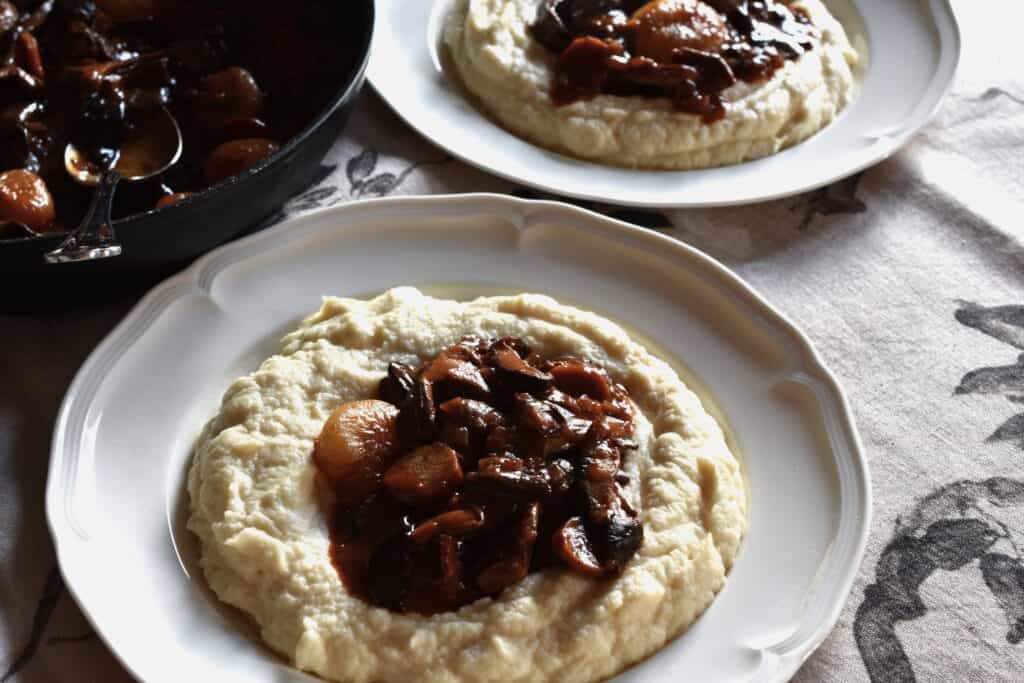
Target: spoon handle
(94, 237)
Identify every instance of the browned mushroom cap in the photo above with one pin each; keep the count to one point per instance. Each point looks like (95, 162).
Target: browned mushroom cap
(25, 199)
(231, 158)
(358, 442)
(428, 474)
(397, 386)
(577, 379)
(230, 93)
(661, 27)
(26, 54)
(515, 564)
(455, 372)
(461, 522)
(619, 540)
(513, 372)
(571, 545)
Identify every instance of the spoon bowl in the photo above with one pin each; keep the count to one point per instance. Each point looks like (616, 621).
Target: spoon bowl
(154, 145)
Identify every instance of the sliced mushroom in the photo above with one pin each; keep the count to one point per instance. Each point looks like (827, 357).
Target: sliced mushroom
(514, 373)
(549, 27)
(466, 424)
(427, 475)
(537, 415)
(572, 546)
(598, 466)
(451, 569)
(515, 563)
(417, 420)
(26, 55)
(557, 427)
(578, 379)
(397, 386)
(453, 373)
(618, 541)
(461, 522)
(522, 485)
(501, 462)
(715, 72)
(358, 442)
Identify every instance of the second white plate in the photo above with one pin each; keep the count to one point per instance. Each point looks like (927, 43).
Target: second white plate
(911, 50)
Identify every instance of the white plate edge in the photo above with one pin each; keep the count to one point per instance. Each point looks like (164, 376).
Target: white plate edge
(836, 414)
(951, 47)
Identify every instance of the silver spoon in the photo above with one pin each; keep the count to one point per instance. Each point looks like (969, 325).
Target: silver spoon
(153, 147)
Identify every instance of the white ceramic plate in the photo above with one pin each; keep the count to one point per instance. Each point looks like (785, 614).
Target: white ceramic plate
(910, 48)
(115, 497)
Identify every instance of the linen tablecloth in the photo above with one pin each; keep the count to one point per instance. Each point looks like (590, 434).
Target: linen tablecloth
(909, 278)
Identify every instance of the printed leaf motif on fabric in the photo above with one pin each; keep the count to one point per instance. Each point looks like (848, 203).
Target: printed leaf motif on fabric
(1005, 323)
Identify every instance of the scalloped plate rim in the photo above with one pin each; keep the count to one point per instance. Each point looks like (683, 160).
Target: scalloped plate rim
(837, 415)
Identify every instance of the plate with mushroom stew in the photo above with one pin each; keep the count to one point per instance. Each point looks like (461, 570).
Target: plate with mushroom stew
(667, 103)
(466, 437)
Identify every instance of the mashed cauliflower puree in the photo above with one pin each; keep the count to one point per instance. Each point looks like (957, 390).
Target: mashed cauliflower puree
(510, 73)
(264, 537)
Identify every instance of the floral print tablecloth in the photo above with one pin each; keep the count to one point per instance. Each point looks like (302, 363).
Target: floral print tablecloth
(909, 277)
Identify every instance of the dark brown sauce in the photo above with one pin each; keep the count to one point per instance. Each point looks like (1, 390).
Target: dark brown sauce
(687, 50)
(539, 446)
(91, 72)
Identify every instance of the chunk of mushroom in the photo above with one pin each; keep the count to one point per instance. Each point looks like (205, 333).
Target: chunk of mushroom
(25, 199)
(26, 54)
(460, 522)
(231, 93)
(661, 27)
(572, 546)
(515, 373)
(234, 157)
(515, 564)
(426, 475)
(578, 379)
(358, 443)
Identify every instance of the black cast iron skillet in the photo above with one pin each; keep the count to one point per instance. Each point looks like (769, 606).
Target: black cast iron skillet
(162, 240)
